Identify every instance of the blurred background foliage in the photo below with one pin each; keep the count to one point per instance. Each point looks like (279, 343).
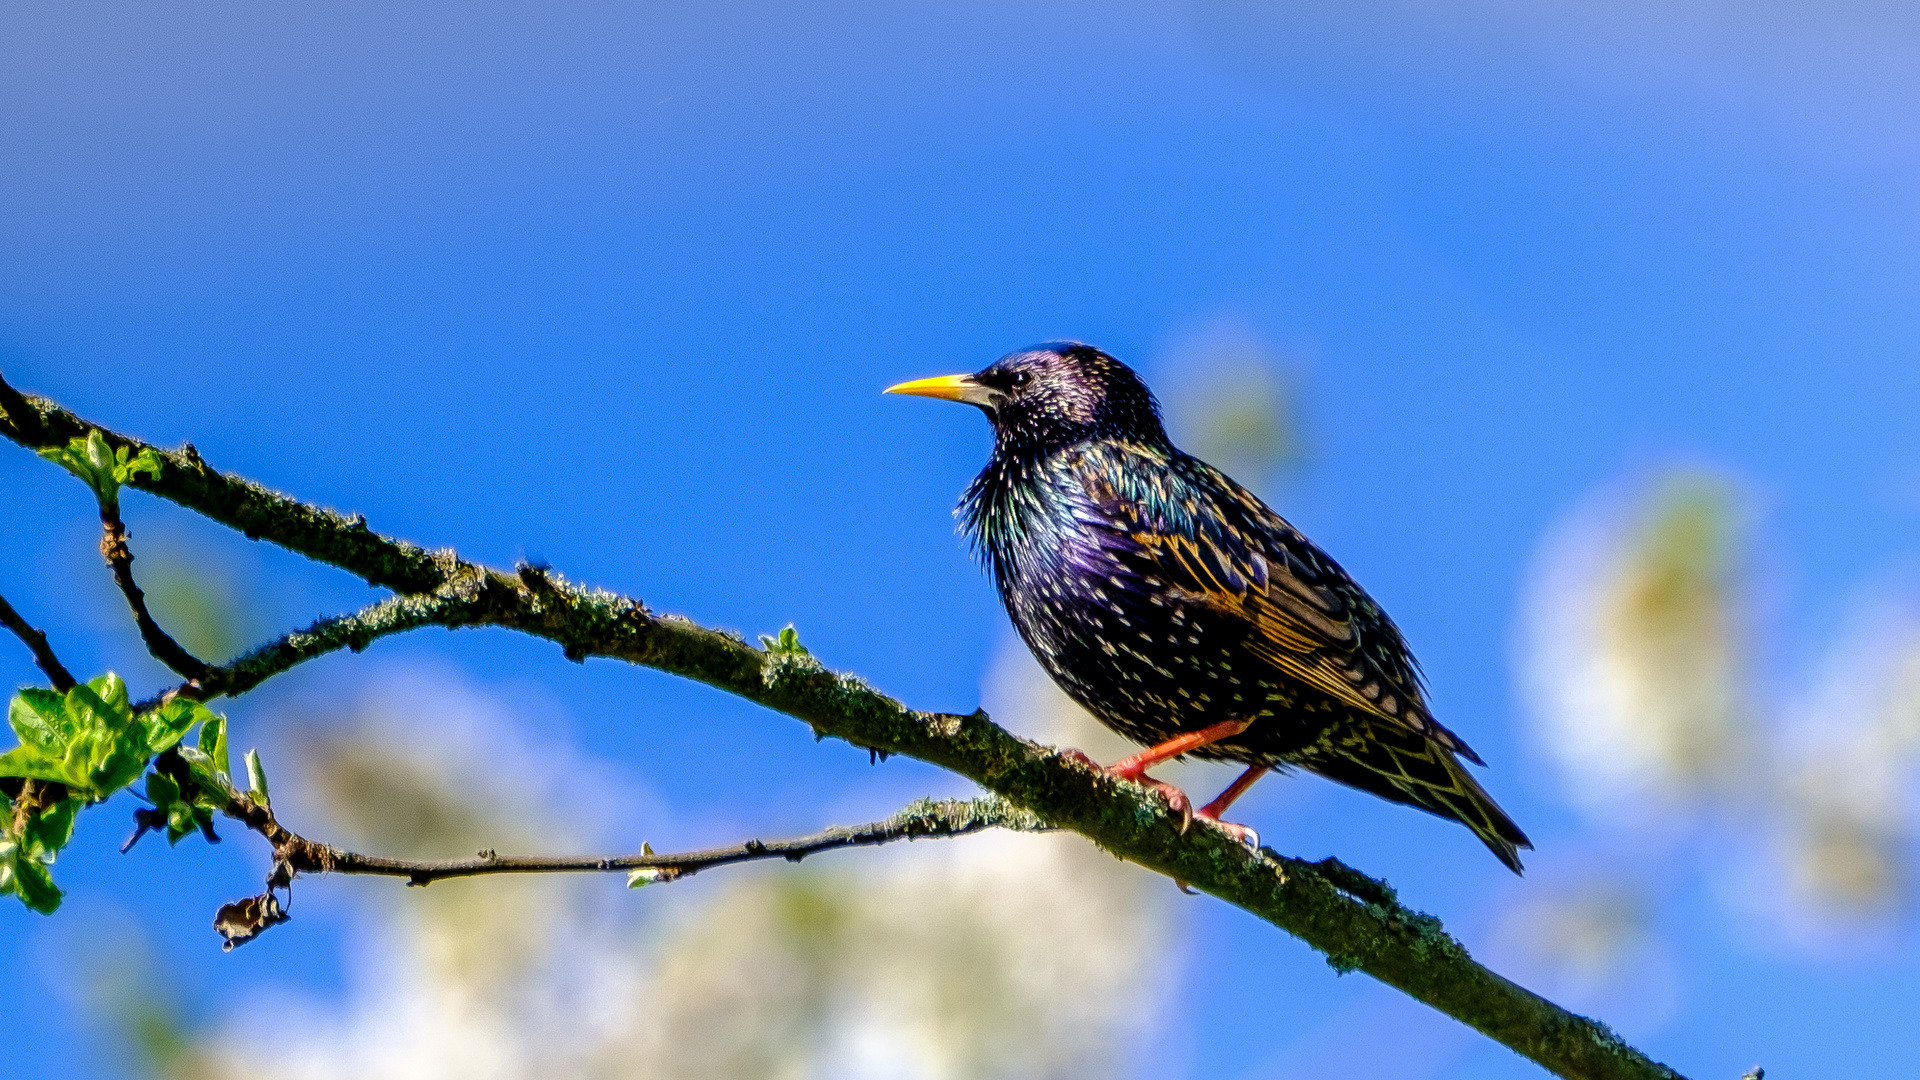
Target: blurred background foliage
(1638, 647)
(1018, 957)
(1642, 656)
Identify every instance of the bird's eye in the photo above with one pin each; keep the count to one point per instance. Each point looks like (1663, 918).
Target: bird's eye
(1021, 379)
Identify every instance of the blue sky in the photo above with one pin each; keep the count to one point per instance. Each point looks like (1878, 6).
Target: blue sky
(616, 286)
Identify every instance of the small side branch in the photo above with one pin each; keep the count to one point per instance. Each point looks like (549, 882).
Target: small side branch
(113, 546)
(37, 643)
(294, 855)
(471, 597)
(394, 615)
(924, 819)
(355, 631)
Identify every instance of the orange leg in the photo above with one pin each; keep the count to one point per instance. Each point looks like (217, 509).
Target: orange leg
(1135, 767)
(1213, 810)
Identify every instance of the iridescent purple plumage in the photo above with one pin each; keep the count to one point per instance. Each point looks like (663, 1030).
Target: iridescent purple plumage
(1171, 601)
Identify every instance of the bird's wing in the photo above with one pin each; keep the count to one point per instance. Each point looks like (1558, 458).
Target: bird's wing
(1205, 539)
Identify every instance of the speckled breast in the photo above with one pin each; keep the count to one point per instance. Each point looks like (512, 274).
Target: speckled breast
(1147, 664)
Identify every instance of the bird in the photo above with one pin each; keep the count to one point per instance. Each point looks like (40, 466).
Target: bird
(1182, 611)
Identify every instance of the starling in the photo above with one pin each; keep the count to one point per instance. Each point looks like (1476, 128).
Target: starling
(1181, 611)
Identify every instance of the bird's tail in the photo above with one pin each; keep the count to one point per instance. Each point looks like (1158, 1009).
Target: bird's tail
(1394, 763)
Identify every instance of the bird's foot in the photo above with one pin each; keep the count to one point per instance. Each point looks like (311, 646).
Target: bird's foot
(1080, 758)
(1213, 810)
(1177, 800)
(1136, 771)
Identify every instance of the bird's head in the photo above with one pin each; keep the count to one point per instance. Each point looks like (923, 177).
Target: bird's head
(1053, 395)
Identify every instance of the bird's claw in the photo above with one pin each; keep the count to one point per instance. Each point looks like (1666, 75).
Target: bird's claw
(1079, 758)
(1242, 833)
(1177, 800)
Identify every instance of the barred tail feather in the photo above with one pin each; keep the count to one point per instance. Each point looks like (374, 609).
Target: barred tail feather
(1404, 767)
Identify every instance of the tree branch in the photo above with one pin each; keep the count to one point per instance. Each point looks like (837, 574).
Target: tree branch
(353, 632)
(37, 642)
(1356, 921)
(119, 556)
(240, 504)
(294, 855)
(441, 607)
(923, 819)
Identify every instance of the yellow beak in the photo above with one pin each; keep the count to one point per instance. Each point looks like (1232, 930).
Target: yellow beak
(949, 388)
(944, 387)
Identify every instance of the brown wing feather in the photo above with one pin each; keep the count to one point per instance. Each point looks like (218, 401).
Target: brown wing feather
(1308, 619)
(1306, 630)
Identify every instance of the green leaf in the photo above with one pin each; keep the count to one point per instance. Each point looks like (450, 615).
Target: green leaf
(26, 876)
(146, 461)
(76, 738)
(213, 742)
(166, 725)
(112, 692)
(90, 739)
(104, 469)
(89, 459)
(50, 829)
(211, 788)
(257, 779)
(181, 820)
(73, 458)
(99, 458)
(39, 718)
(787, 641)
(93, 714)
(186, 807)
(33, 763)
(162, 791)
(34, 884)
(117, 763)
(63, 456)
(84, 739)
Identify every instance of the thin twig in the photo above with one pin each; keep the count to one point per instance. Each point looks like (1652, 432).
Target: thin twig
(37, 642)
(465, 600)
(295, 855)
(924, 819)
(113, 546)
(355, 632)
